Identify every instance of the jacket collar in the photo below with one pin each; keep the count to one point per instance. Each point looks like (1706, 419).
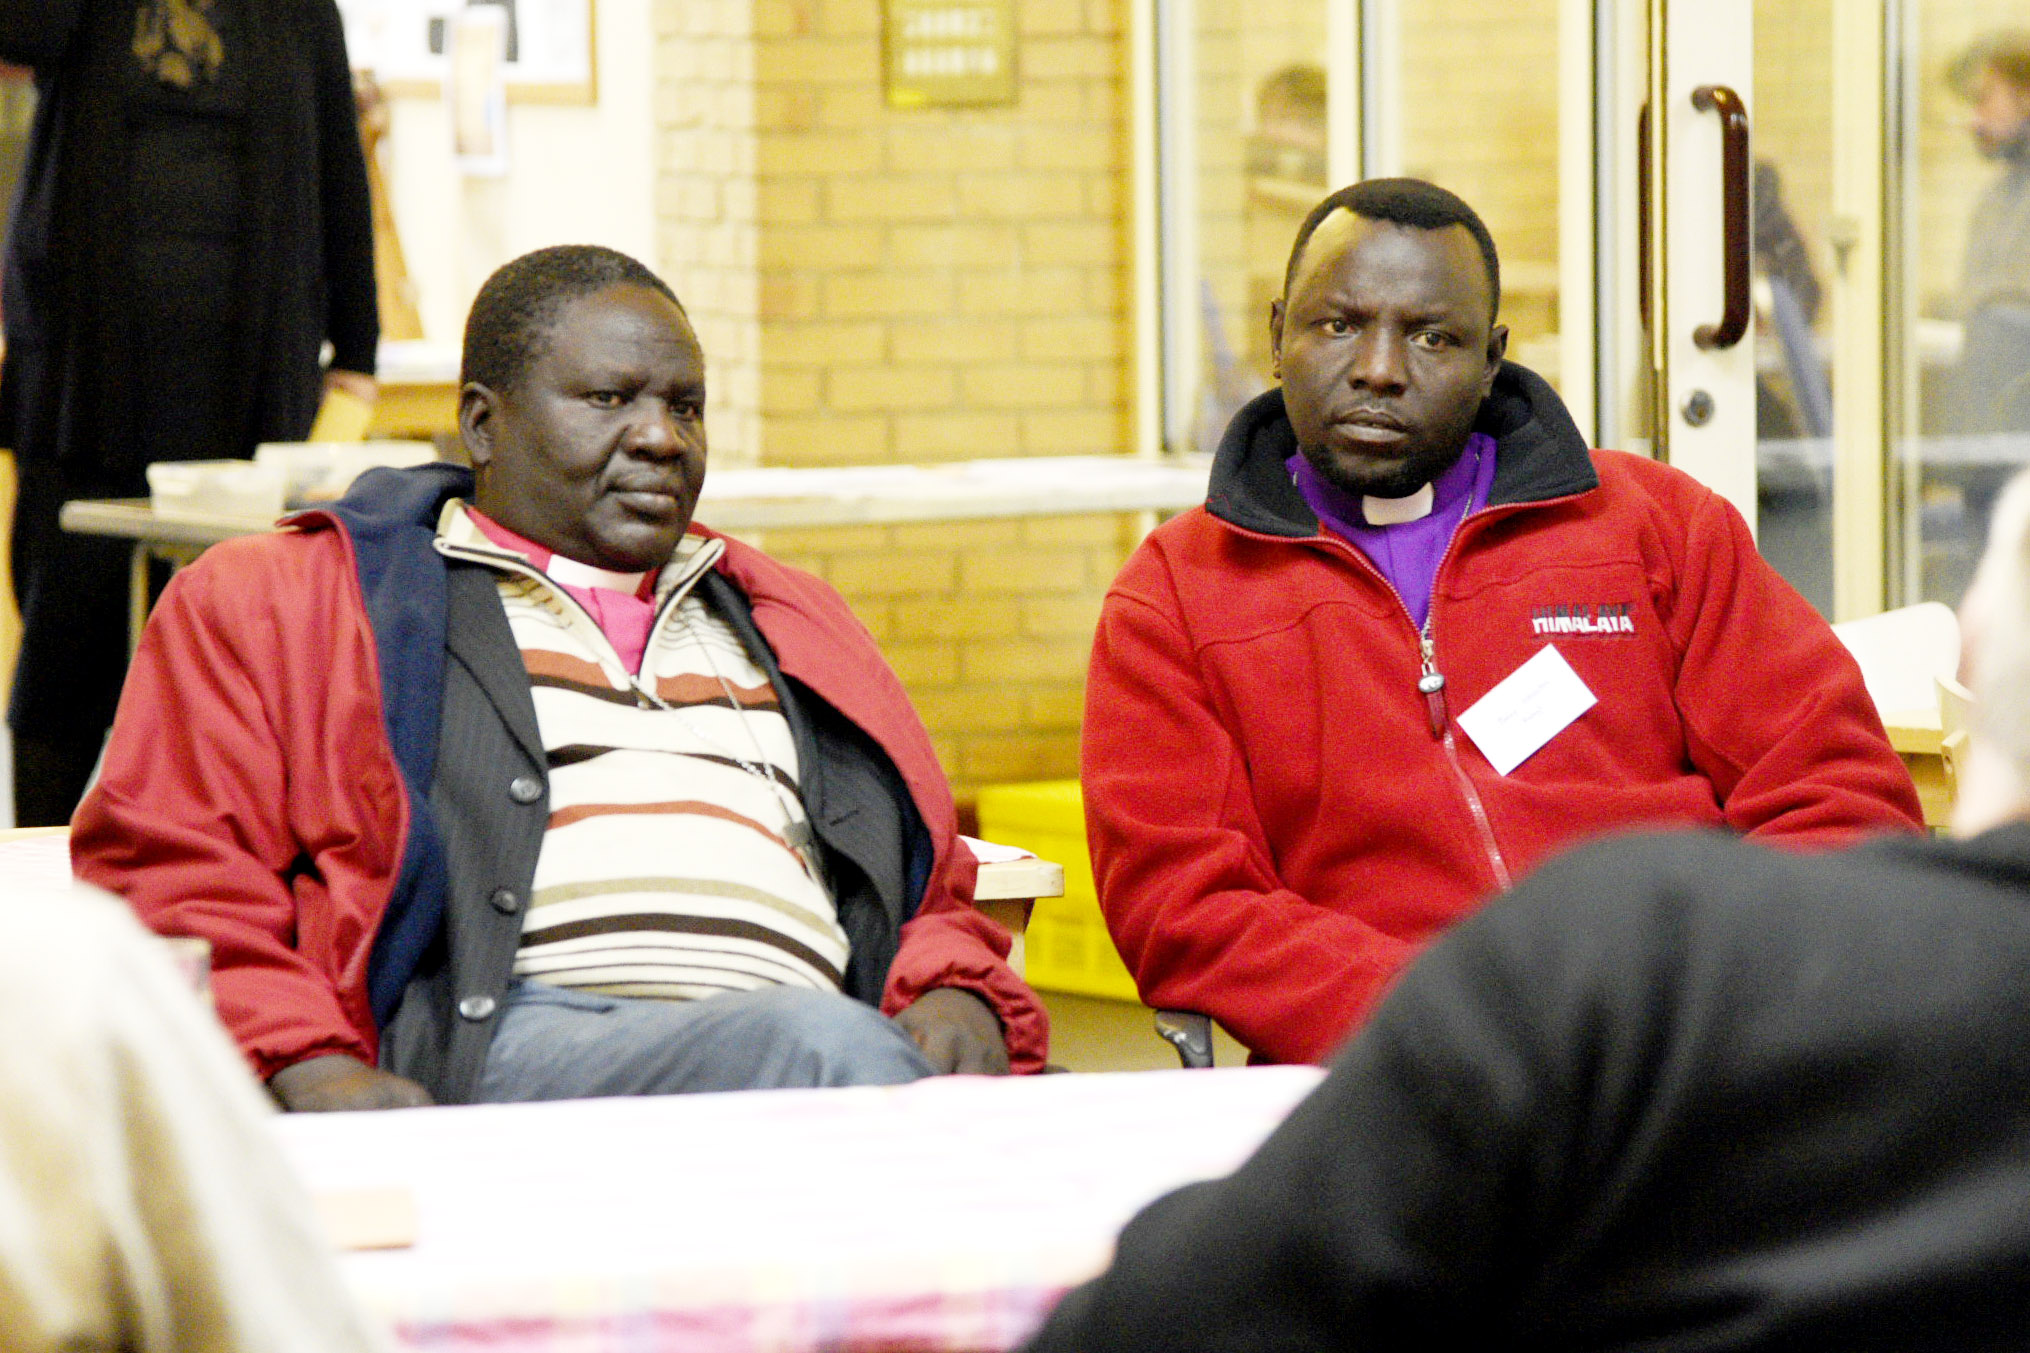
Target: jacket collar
(1540, 456)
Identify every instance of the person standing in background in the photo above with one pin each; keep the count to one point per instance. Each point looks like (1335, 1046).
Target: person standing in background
(193, 224)
(1994, 395)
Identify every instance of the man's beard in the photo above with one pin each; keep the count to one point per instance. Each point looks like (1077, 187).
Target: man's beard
(1390, 481)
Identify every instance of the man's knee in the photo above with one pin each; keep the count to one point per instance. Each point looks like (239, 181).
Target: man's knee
(815, 1038)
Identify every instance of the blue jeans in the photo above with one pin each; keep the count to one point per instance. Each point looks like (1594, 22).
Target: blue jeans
(556, 1043)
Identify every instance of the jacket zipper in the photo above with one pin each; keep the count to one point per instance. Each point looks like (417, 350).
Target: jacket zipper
(1431, 685)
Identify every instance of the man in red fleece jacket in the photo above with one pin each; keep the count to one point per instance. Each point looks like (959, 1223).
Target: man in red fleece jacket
(513, 784)
(1419, 637)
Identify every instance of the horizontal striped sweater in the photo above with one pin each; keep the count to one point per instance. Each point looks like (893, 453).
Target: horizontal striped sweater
(676, 861)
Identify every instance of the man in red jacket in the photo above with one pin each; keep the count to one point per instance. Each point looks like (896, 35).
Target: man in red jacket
(1419, 637)
(513, 784)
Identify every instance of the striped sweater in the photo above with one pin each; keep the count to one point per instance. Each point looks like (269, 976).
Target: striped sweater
(676, 861)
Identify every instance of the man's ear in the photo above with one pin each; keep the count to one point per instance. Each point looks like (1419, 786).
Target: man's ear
(1497, 349)
(1276, 335)
(478, 406)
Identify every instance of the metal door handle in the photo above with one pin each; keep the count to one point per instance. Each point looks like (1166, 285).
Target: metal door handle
(1734, 171)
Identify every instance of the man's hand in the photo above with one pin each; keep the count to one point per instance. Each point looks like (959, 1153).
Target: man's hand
(355, 383)
(339, 1082)
(958, 1033)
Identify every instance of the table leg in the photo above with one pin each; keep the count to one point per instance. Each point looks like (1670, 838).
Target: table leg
(137, 595)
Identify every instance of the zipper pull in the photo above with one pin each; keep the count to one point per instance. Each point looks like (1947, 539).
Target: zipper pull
(1432, 684)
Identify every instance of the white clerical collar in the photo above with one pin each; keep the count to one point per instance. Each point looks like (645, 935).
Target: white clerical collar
(571, 573)
(1396, 511)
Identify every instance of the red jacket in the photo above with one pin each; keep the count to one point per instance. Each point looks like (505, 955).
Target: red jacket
(1275, 829)
(250, 794)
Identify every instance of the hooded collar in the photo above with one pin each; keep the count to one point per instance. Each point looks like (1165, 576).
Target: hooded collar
(1540, 456)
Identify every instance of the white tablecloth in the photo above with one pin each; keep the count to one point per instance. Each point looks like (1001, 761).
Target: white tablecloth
(949, 1214)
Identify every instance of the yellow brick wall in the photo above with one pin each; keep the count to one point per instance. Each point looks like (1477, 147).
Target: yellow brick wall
(708, 213)
(928, 285)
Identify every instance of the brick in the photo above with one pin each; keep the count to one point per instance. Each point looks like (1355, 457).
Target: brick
(821, 246)
(1019, 196)
(958, 535)
(955, 436)
(948, 148)
(1005, 758)
(855, 105)
(957, 341)
(825, 439)
(792, 108)
(955, 245)
(1077, 56)
(1087, 242)
(1022, 660)
(1109, 529)
(970, 709)
(1050, 18)
(1032, 291)
(785, 296)
(1078, 432)
(1061, 617)
(790, 392)
(858, 389)
(872, 295)
(955, 617)
(891, 197)
(829, 539)
(850, 18)
(1022, 570)
(824, 342)
(791, 61)
(787, 200)
(1098, 337)
(1024, 385)
(1077, 147)
(923, 665)
(817, 153)
(893, 573)
(1061, 707)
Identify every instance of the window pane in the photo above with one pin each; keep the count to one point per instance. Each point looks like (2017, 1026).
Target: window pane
(1966, 273)
(1261, 166)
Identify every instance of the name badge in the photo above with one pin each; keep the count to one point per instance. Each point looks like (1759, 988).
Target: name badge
(1532, 705)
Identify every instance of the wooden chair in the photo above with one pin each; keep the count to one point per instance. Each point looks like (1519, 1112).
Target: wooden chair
(1955, 715)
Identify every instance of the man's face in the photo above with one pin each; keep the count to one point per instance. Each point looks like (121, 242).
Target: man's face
(2001, 114)
(1386, 348)
(598, 452)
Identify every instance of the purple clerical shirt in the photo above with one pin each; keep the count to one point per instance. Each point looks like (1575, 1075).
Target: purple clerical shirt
(1408, 553)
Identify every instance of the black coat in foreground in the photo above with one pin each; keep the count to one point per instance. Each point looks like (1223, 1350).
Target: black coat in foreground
(1675, 1092)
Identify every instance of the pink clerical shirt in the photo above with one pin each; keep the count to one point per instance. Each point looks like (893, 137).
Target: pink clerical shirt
(623, 604)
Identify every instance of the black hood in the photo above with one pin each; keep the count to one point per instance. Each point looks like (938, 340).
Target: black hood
(1541, 456)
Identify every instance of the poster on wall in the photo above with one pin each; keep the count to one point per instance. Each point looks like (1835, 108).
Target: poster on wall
(407, 45)
(949, 53)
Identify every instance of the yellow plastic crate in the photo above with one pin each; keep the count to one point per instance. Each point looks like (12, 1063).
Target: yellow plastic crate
(1068, 948)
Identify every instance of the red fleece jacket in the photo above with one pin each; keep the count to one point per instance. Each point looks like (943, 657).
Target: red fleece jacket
(250, 796)
(1276, 831)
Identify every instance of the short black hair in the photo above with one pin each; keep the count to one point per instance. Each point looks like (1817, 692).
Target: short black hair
(516, 307)
(1407, 202)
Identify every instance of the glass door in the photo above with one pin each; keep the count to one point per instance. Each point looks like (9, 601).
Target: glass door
(1962, 202)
